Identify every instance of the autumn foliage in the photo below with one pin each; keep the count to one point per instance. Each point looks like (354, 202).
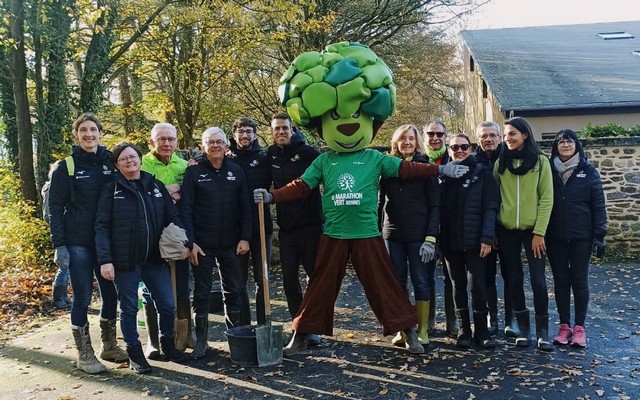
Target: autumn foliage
(26, 270)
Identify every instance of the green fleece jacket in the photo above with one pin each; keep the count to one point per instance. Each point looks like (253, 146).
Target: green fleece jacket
(167, 174)
(527, 199)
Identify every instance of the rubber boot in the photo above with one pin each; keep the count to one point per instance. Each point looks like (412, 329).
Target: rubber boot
(481, 335)
(260, 317)
(184, 326)
(152, 350)
(511, 328)
(202, 337)
(87, 360)
(137, 362)
(492, 305)
(297, 344)
(399, 339)
(542, 333)
(109, 350)
(450, 312)
(422, 308)
(523, 339)
(432, 313)
(58, 296)
(412, 342)
(65, 297)
(464, 332)
(169, 351)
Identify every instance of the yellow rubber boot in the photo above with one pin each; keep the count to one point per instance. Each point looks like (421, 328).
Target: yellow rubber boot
(399, 339)
(422, 308)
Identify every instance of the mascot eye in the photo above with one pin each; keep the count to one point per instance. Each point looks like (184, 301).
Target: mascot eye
(334, 115)
(355, 114)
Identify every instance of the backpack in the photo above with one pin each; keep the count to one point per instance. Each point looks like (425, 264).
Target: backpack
(47, 186)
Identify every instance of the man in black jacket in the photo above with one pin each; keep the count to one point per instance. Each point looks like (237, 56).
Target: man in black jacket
(300, 221)
(217, 216)
(252, 158)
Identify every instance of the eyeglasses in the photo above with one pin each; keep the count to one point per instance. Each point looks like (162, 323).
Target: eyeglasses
(124, 159)
(216, 142)
(166, 139)
(438, 134)
(248, 131)
(566, 143)
(456, 147)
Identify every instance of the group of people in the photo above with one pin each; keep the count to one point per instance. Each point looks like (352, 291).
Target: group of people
(512, 197)
(108, 214)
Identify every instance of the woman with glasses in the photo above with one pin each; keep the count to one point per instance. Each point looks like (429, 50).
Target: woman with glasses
(132, 212)
(72, 207)
(578, 224)
(523, 175)
(469, 208)
(435, 134)
(409, 216)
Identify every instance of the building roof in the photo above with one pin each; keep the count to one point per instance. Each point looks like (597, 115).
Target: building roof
(559, 67)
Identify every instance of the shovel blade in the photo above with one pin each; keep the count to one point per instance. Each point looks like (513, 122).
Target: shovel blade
(269, 344)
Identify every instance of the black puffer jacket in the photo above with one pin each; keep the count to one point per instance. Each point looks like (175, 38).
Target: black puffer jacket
(257, 169)
(409, 210)
(287, 164)
(73, 200)
(579, 211)
(488, 161)
(215, 206)
(470, 206)
(130, 219)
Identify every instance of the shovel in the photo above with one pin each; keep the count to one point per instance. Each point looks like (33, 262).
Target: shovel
(268, 338)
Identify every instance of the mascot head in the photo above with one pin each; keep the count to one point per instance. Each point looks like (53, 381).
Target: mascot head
(345, 92)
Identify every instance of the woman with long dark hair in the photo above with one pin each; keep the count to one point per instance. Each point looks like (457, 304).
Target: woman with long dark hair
(578, 224)
(523, 175)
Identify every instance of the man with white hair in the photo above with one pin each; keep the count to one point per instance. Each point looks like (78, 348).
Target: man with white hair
(216, 212)
(163, 162)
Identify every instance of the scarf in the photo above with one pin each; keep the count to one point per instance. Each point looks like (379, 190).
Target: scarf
(565, 169)
(435, 155)
(524, 167)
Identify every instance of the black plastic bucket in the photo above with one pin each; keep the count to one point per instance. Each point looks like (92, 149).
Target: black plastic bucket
(242, 345)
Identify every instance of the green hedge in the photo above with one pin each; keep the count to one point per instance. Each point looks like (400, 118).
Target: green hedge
(609, 130)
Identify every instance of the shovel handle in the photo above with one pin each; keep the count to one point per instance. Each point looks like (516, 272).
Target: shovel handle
(172, 268)
(265, 268)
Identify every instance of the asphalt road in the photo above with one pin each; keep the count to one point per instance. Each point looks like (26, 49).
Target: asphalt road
(358, 363)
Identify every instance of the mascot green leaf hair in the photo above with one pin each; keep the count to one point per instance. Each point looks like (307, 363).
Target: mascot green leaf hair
(346, 92)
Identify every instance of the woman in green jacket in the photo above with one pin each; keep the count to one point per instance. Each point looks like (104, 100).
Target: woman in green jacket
(523, 175)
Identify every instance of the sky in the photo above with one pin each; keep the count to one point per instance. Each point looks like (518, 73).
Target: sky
(520, 13)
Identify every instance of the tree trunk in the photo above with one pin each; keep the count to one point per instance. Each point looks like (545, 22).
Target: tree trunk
(8, 109)
(23, 122)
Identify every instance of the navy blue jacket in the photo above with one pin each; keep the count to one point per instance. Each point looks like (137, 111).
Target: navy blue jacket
(470, 207)
(73, 201)
(257, 169)
(130, 219)
(579, 211)
(287, 164)
(215, 206)
(409, 210)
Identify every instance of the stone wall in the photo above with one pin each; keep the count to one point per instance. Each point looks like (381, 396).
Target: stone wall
(618, 160)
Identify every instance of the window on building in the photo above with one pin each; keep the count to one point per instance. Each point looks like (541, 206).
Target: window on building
(485, 90)
(471, 64)
(615, 35)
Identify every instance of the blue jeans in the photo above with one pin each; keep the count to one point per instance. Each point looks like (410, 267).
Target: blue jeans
(183, 289)
(406, 259)
(157, 279)
(234, 286)
(62, 277)
(83, 266)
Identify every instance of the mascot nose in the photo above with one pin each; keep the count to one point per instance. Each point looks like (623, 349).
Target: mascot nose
(348, 129)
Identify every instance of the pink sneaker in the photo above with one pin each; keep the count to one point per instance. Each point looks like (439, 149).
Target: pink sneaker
(579, 338)
(564, 333)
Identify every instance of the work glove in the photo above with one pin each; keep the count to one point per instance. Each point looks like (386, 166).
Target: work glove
(598, 248)
(453, 169)
(427, 251)
(61, 257)
(262, 196)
